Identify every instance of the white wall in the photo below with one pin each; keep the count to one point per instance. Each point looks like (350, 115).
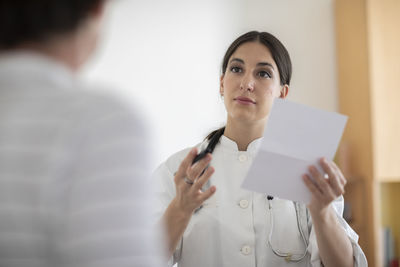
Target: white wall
(306, 28)
(166, 55)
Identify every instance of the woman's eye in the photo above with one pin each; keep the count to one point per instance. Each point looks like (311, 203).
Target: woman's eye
(264, 74)
(236, 69)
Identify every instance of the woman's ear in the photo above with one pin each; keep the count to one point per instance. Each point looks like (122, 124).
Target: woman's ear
(284, 91)
(221, 85)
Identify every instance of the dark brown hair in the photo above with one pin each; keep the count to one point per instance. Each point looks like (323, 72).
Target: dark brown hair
(278, 52)
(33, 20)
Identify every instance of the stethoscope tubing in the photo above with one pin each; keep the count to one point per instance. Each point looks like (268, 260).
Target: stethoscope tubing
(287, 256)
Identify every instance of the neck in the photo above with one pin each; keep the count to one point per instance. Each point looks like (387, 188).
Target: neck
(62, 50)
(244, 133)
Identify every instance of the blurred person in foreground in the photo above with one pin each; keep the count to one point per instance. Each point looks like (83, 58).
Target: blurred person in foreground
(73, 163)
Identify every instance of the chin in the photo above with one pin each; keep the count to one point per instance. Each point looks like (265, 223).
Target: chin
(247, 118)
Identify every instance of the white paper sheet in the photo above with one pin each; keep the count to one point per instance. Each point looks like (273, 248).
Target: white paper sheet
(295, 137)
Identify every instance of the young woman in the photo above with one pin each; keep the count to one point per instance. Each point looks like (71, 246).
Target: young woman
(211, 221)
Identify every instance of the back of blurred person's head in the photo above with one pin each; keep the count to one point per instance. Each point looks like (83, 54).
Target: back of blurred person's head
(66, 28)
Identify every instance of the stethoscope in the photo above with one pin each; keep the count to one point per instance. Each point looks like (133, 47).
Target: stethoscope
(286, 255)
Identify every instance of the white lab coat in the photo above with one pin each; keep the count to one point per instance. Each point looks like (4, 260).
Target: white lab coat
(233, 226)
(73, 168)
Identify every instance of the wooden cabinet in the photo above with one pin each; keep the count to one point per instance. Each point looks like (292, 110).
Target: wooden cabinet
(384, 65)
(368, 57)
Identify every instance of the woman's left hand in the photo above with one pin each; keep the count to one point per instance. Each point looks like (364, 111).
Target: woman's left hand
(324, 189)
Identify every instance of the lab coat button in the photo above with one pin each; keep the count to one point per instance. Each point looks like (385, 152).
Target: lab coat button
(242, 158)
(246, 250)
(243, 203)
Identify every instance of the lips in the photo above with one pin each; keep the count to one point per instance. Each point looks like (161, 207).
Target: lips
(244, 100)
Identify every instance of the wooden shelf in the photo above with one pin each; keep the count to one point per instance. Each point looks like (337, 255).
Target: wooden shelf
(390, 209)
(367, 42)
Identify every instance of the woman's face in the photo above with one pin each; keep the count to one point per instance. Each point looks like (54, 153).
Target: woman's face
(251, 83)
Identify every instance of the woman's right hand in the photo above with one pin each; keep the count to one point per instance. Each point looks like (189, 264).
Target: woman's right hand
(189, 197)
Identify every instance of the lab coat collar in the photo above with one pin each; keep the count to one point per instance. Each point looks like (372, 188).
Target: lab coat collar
(231, 145)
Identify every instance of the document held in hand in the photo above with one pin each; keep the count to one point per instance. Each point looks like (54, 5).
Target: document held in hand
(296, 136)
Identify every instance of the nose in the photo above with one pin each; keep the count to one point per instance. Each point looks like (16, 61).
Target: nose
(247, 83)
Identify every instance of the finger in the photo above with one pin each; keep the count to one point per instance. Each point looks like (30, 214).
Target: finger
(333, 177)
(336, 185)
(343, 179)
(194, 171)
(203, 179)
(186, 162)
(328, 169)
(312, 187)
(320, 181)
(207, 194)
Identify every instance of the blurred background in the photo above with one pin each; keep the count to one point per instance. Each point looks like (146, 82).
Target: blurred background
(165, 57)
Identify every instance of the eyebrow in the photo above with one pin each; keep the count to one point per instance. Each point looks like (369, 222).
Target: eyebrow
(258, 64)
